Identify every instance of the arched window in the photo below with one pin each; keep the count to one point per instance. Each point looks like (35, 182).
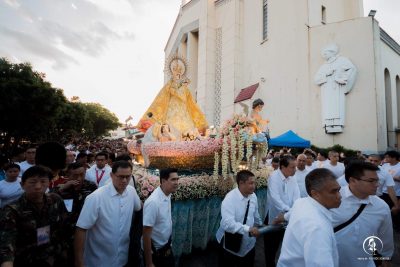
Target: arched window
(389, 111)
(265, 19)
(398, 100)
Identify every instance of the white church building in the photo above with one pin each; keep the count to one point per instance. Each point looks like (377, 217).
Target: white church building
(241, 50)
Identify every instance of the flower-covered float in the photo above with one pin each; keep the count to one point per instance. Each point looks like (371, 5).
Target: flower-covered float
(176, 135)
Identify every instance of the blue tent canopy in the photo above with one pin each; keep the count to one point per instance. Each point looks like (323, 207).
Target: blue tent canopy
(289, 139)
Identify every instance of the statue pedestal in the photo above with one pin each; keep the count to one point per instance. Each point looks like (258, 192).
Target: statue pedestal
(333, 129)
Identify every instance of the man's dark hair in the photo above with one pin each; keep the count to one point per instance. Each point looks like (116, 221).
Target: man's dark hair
(105, 154)
(316, 179)
(323, 153)
(257, 102)
(111, 156)
(285, 160)
(243, 176)
(74, 166)
(3, 160)
(356, 169)
(123, 164)
(17, 151)
(52, 155)
(125, 157)
(81, 155)
(309, 153)
(349, 160)
(375, 156)
(37, 171)
(12, 166)
(164, 173)
(392, 154)
(275, 160)
(30, 147)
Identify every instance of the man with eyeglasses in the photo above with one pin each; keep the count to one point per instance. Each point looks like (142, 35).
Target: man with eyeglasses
(102, 231)
(361, 216)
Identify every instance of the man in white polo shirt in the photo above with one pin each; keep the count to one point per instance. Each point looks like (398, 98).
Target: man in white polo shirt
(30, 154)
(283, 191)
(301, 173)
(372, 223)
(239, 216)
(157, 221)
(333, 164)
(309, 239)
(100, 172)
(102, 232)
(386, 184)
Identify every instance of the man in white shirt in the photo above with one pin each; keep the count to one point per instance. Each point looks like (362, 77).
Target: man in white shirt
(239, 211)
(100, 172)
(334, 165)
(310, 160)
(322, 159)
(301, 173)
(102, 230)
(373, 224)
(157, 221)
(283, 191)
(386, 184)
(30, 154)
(309, 239)
(392, 166)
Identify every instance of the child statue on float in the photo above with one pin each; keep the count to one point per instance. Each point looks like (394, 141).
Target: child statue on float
(259, 125)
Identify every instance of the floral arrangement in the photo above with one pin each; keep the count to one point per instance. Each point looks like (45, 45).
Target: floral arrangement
(236, 123)
(145, 181)
(194, 186)
(236, 136)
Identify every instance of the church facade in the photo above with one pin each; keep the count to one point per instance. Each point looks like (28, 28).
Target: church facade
(240, 50)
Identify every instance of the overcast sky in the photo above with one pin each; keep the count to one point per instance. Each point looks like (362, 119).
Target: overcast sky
(108, 51)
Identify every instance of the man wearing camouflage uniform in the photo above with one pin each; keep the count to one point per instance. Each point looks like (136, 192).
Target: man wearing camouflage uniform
(32, 229)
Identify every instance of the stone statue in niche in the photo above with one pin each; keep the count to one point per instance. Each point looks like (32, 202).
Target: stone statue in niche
(336, 78)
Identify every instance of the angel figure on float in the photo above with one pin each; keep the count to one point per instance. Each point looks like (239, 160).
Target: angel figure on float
(259, 125)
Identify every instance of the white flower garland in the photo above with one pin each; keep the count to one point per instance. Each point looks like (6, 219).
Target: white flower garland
(216, 164)
(233, 151)
(225, 157)
(249, 148)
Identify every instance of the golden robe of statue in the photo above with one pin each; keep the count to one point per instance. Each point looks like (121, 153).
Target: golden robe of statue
(175, 106)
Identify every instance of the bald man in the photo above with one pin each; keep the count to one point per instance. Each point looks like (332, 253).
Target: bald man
(301, 173)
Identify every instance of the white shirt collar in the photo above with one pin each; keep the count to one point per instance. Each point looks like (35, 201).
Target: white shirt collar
(321, 208)
(114, 192)
(283, 177)
(162, 195)
(348, 194)
(240, 195)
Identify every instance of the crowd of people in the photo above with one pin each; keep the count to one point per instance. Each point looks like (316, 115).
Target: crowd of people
(76, 205)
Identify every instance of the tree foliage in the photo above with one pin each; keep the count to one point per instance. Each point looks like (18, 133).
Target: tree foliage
(32, 109)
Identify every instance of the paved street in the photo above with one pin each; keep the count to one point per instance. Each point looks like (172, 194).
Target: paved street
(209, 257)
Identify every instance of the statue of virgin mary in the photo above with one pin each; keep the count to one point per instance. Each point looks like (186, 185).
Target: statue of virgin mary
(174, 105)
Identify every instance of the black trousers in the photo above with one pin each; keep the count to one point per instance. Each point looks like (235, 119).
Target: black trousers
(271, 245)
(227, 259)
(164, 261)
